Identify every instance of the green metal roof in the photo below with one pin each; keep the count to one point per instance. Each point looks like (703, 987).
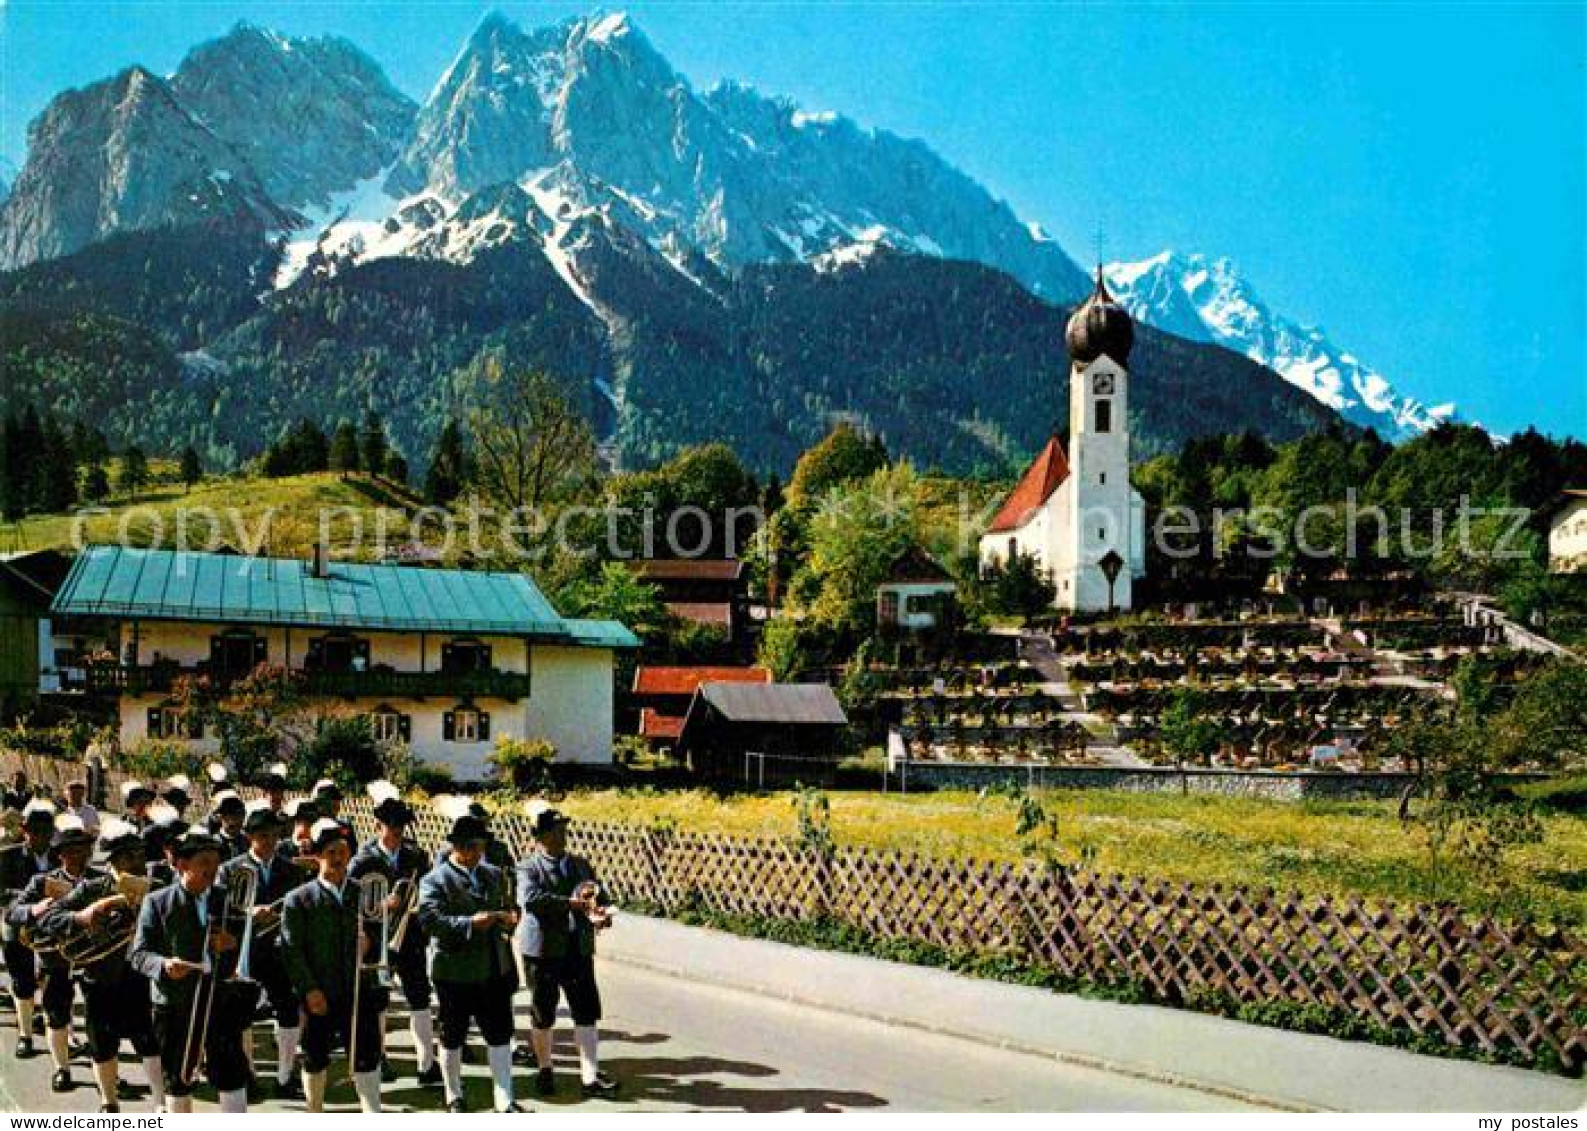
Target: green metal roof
(114, 581)
(601, 634)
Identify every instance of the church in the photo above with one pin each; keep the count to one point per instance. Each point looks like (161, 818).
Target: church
(1074, 510)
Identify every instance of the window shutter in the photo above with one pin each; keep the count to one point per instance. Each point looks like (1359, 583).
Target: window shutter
(449, 727)
(154, 722)
(484, 726)
(405, 727)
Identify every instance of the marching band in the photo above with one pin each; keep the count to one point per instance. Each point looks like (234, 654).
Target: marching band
(181, 937)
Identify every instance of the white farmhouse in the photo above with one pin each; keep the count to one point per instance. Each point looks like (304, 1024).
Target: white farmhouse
(1567, 533)
(444, 660)
(1075, 512)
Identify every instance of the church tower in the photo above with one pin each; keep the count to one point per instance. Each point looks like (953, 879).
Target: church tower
(1104, 533)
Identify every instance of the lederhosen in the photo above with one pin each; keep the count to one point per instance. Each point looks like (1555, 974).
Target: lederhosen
(57, 978)
(18, 866)
(410, 962)
(320, 947)
(115, 995)
(170, 928)
(265, 964)
(474, 972)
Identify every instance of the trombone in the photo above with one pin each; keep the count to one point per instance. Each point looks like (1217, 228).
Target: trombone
(410, 904)
(241, 887)
(373, 891)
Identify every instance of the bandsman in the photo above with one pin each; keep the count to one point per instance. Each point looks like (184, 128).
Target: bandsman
(105, 906)
(329, 957)
(276, 877)
(73, 845)
(19, 863)
(564, 906)
(135, 801)
(77, 805)
(181, 945)
(393, 855)
(468, 911)
(177, 792)
(230, 811)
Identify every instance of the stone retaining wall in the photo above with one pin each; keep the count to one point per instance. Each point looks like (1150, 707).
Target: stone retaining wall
(1271, 785)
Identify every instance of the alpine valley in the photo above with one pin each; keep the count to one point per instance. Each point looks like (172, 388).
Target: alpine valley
(275, 231)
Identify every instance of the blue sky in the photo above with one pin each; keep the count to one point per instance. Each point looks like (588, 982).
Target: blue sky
(1411, 178)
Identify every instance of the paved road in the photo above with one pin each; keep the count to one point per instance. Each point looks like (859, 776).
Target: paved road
(682, 1046)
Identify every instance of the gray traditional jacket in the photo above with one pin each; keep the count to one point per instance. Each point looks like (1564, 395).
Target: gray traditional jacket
(448, 901)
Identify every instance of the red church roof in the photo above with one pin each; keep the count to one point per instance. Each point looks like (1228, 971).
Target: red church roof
(1041, 479)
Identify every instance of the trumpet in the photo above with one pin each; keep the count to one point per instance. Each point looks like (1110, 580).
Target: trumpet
(241, 887)
(373, 890)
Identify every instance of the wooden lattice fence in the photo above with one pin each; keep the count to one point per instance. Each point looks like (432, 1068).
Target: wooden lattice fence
(1517, 990)
(1514, 990)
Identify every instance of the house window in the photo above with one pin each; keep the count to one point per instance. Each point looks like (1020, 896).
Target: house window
(388, 725)
(1102, 534)
(339, 653)
(465, 656)
(237, 653)
(1104, 416)
(1102, 478)
(1013, 549)
(168, 722)
(888, 612)
(466, 724)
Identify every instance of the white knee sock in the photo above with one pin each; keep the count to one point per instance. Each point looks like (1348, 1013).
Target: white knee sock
(179, 1105)
(156, 1077)
(286, 1052)
(589, 1041)
(25, 1011)
(234, 1101)
(423, 1029)
(500, 1057)
(61, 1047)
(367, 1085)
(314, 1090)
(106, 1076)
(452, 1073)
(540, 1041)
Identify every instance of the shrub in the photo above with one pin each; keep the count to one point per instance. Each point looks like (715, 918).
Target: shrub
(155, 759)
(525, 763)
(1566, 794)
(343, 750)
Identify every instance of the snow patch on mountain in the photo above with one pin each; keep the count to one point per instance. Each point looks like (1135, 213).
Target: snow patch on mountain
(1207, 300)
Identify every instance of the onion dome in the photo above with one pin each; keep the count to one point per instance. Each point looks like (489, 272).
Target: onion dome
(1100, 325)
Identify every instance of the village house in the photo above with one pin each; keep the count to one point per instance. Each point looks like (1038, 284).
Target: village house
(662, 695)
(444, 660)
(763, 732)
(709, 591)
(1567, 533)
(916, 593)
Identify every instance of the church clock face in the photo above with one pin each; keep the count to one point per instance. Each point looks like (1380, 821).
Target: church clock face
(1102, 384)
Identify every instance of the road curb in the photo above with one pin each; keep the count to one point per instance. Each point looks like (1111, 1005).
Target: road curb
(1216, 1056)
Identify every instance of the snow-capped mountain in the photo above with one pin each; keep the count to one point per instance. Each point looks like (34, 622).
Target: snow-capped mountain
(253, 127)
(736, 176)
(1206, 300)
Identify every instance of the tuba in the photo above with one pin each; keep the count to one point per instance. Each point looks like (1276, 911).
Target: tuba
(409, 890)
(84, 948)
